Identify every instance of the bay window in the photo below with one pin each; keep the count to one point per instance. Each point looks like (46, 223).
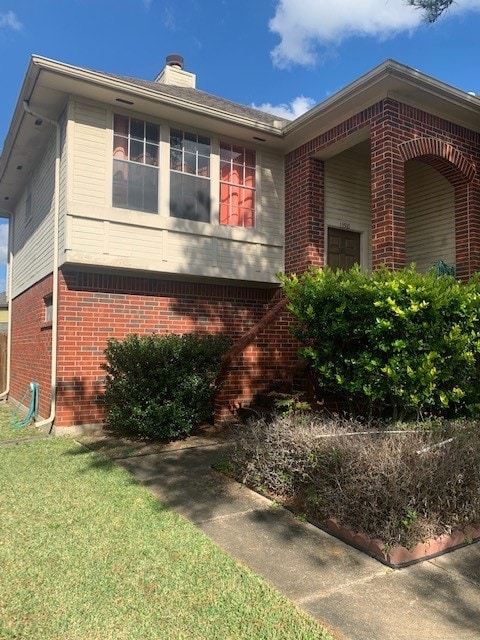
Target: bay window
(189, 176)
(135, 164)
(237, 185)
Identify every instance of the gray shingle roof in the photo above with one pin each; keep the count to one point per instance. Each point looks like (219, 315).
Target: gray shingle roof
(202, 98)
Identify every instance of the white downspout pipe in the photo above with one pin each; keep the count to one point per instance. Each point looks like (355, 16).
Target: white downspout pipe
(48, 422)
(4, 394)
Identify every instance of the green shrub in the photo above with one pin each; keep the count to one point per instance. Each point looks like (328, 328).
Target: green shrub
(395, 343)
(161, 386)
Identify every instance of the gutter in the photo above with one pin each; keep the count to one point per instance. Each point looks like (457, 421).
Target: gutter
(4, 394)
(118, 84)
(48, 422)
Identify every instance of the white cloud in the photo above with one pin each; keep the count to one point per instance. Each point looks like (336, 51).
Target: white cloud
(10, 21)
(296, 108)
(304, 26)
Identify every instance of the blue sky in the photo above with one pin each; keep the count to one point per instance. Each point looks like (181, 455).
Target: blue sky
(281, 55)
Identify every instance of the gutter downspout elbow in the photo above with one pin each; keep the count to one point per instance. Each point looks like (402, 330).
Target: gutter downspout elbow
(48, 422)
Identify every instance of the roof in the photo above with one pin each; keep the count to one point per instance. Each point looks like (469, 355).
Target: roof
(205, 99)
(49, 83)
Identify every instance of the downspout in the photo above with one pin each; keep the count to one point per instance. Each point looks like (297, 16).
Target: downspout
(4, 394)
(48, 422)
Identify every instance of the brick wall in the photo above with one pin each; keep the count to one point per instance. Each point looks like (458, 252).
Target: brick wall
(96, 307)
(31, 345)
(397, 133)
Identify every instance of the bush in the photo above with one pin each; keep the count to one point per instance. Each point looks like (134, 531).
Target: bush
(161, 386)
(400, 487)
(394, 343)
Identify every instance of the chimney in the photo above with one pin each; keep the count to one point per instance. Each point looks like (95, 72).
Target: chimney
(174, 74)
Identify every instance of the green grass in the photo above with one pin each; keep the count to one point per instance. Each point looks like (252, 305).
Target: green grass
(9, 432)
(86, 553)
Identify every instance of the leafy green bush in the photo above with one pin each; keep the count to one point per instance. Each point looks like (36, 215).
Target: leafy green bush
(395, 343)
(161, 386)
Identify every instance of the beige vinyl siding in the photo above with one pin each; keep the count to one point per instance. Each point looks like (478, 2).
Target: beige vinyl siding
(62, 187)
(270, 199)
(174, 249)
(99, 234)
(430, 218)
(33, 241)
(89, 153)
(347, 195)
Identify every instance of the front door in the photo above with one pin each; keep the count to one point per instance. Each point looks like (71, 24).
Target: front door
(343, 248)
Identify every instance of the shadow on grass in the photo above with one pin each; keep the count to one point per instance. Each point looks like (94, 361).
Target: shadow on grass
(271, 539)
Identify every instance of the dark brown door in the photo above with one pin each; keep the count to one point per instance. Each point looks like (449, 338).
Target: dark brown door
(343, 248)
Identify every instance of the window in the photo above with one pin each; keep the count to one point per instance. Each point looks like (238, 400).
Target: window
(189, 176)
(48, 302)
(135, 164)
(237, 185)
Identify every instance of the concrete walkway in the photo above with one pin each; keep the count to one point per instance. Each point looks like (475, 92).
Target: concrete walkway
(354, 595)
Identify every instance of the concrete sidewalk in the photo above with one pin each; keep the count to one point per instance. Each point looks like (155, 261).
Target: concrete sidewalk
(354, 595)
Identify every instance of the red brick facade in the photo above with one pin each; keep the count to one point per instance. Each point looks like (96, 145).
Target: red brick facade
(95, 307)
(31, 354)
(397, 133)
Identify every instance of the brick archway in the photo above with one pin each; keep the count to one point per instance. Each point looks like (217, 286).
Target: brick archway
(442, 156)
(456, 167)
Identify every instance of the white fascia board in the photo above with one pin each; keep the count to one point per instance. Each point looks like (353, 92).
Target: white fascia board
(387, 79)
(123, 86)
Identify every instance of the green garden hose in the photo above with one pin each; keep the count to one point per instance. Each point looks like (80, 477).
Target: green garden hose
(32, 408)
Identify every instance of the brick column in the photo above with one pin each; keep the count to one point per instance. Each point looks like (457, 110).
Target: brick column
(388, 191)
(467, 228)
(304, 213)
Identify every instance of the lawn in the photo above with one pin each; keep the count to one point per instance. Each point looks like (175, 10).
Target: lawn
(88, 553)
(8, 431)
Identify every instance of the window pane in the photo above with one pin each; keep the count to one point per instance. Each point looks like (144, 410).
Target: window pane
(120, 184)
(249, 177)
(150, 190)
(237, 185)
(236, 174)
(250, 158)
(120, 125)
(203, 167)
(225, 152)
(203, 200)
(176, 139)
(136, 151)
(151, 156)
(153, 132)
(203, 146)
(120, 148)
(135, 187)
(175, 160)
(238, 154)
(137, 128)
(248, 218)
(190, 142)
(189, 197)
(190, 163)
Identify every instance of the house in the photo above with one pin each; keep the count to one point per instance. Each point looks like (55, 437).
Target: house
(140, 206)
(3, 313)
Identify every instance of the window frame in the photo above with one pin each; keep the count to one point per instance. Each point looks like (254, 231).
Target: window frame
(241, 171)
(190, 161)
(127, 162)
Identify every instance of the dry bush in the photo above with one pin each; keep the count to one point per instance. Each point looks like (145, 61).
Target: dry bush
(399, 486)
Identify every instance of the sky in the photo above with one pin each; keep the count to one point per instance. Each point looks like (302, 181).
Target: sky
(283, 56)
